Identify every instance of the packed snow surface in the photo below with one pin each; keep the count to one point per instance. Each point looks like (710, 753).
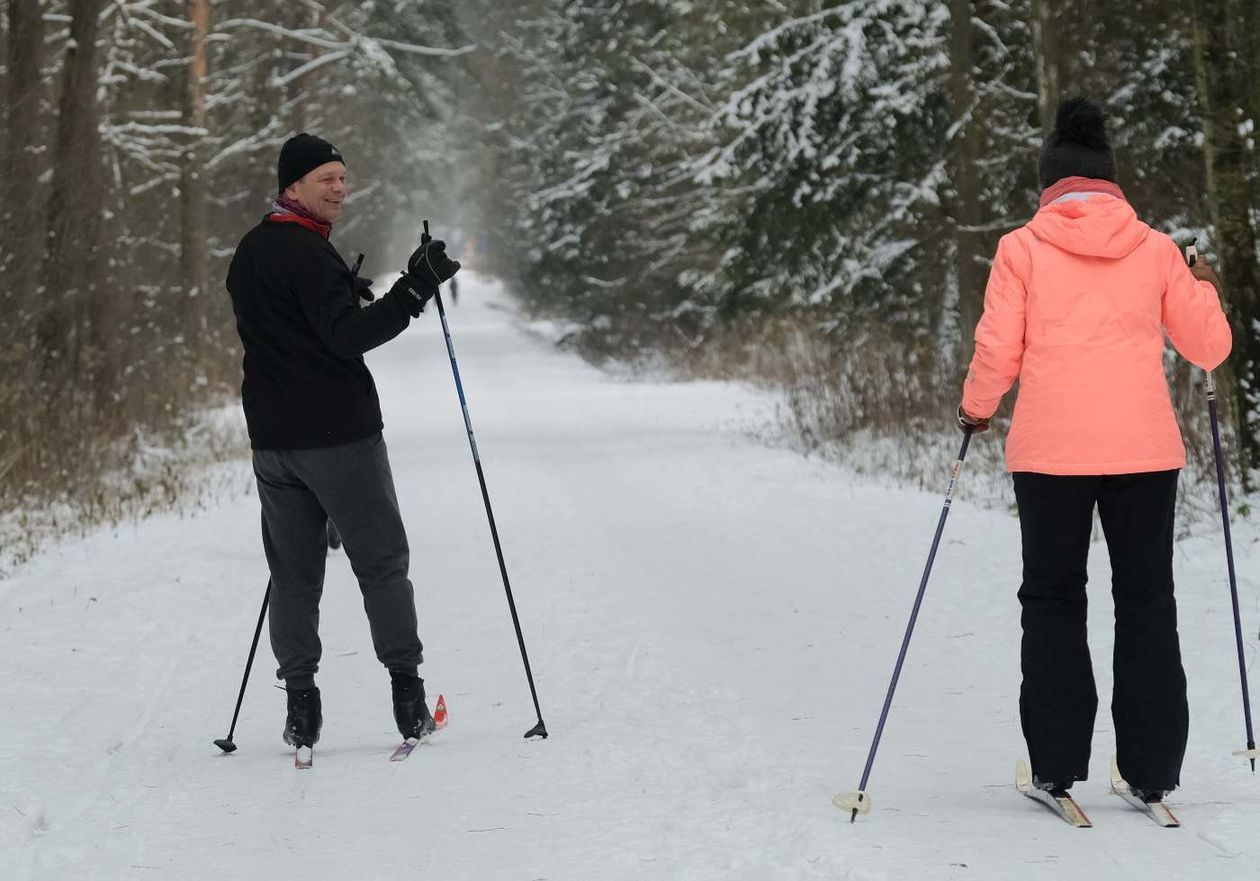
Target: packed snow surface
(712, 622)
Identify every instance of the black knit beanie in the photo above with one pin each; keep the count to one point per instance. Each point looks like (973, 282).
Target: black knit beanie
(1078, 146)
(302, 154)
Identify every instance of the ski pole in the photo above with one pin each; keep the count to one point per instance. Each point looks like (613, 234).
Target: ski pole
(1250, 753)
(226, 743)
(859, 802)
(539, 730)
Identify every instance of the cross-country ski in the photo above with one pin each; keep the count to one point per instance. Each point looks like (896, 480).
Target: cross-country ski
(1151, 804)
(1056, 799)
(403, 751)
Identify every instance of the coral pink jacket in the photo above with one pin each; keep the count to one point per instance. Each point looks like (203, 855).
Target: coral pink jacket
(1076, 308)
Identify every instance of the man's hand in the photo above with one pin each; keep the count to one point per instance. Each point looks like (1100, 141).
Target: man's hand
(429, 263)
(363, 288)
(412, 293)
(976, 424)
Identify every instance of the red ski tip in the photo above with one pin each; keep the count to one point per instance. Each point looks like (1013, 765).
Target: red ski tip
(439, 713)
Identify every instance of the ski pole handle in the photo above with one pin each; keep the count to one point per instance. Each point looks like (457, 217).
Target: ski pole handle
(1192, 257)
(358, 264)
(426, 238)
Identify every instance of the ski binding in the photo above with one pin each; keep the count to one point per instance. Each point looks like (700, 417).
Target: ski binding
(1066, 806)
(1156, 810)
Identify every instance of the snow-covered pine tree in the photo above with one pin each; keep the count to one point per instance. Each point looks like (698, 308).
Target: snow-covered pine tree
(611, 106)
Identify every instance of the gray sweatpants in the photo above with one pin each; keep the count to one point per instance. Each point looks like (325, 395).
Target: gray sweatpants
(351, 484)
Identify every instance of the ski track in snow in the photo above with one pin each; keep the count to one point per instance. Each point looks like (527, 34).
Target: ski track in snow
(712, 624)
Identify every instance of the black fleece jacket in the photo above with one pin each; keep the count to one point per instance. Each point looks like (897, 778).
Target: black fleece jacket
(304, 336)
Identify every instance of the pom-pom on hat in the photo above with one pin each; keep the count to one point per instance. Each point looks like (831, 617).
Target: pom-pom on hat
(1078, 146)
(302, 154)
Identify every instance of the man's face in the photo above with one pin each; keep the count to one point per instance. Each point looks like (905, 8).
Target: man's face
(321, 191)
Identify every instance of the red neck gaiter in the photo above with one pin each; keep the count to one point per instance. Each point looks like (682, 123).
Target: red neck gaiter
(286, 210)
(1061, 188)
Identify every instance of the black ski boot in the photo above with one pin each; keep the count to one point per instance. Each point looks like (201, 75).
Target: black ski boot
(1148, 796)
(1056, 790)
(411, 713)
(305, 719)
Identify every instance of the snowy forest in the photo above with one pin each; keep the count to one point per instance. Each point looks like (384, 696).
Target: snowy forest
(721, 265)
(801, 193)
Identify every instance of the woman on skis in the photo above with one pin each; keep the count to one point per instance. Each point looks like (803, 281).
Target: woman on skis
(1077, 306)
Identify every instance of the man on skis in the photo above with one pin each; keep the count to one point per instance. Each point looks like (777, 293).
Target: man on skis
(1077, 307)
(315, 427)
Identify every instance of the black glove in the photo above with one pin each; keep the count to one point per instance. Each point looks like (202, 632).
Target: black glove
(412, 293)
(362, 287)
(976, 425)
(429, 263)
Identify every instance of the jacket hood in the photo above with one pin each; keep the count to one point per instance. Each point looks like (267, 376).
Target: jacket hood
(1100, 226)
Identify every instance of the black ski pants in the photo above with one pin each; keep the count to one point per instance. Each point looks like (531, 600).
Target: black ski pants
(1058, 700)
(351, 484)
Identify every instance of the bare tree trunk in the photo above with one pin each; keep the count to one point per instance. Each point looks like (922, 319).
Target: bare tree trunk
(1046, 58)
(1251, 53)
(74, 210)
(194, 234)
(965, 210)
(297, 92)
(19, 259)
(1224, 93)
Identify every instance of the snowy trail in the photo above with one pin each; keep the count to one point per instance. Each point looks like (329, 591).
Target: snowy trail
(711, 622)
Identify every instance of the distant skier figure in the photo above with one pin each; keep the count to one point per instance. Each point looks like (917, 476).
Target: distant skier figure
(315, 427)
(1077, 305)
